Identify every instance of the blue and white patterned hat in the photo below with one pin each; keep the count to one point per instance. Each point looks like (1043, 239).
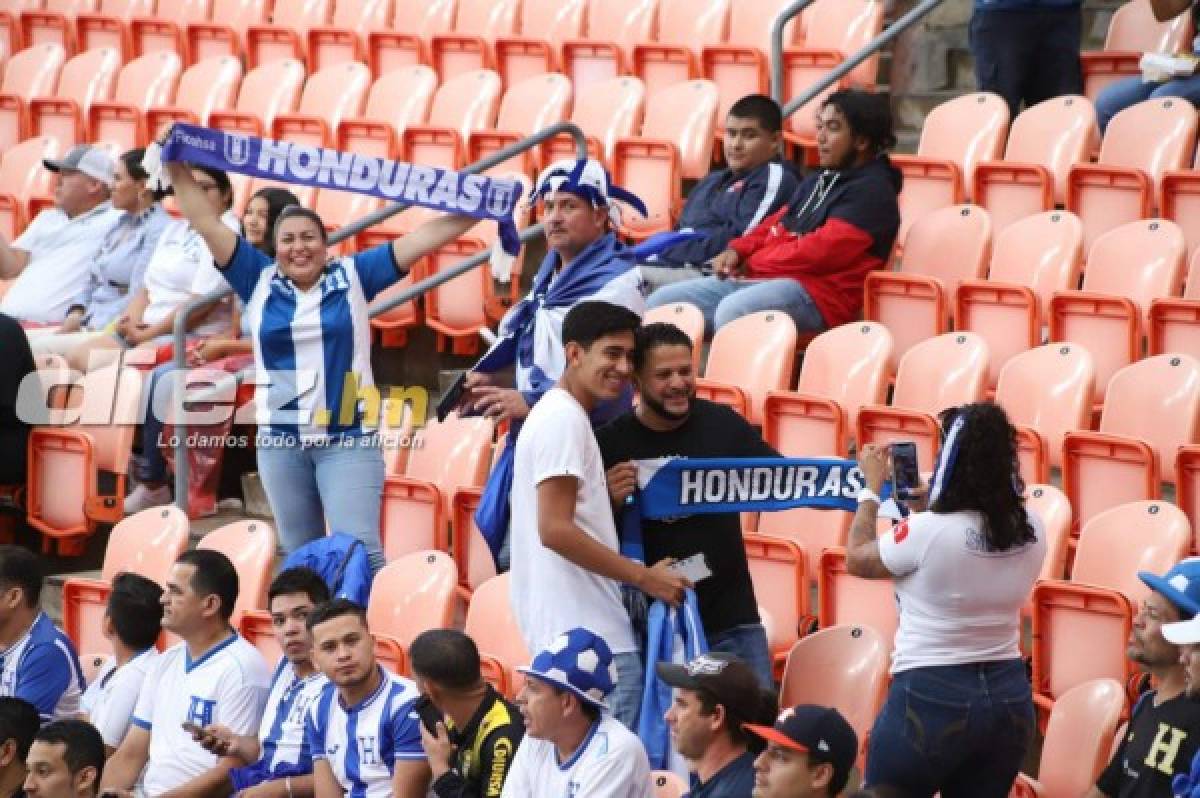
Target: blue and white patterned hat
(580, 661)
(586, 178)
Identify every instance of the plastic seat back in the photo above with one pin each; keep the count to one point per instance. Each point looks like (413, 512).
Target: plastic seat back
(250, 546)
(1142, 260)
(477, 24)
(490, 623)
(267, 90)
(777, 569)
(613, 27)
(87, 78)
(463, 104)
(1048, 389)
(1134, 28)
(1136, 536)
(1156, 400)
(144, 82)
(23, 176)
(32, 72)
(845, 599)
(1051, 505)
(614, 110)
(1175, 323)
(844, 27)
(752, 355)
(693, 23)
(1079, 736)
(396, 100)
(204, 87)
(686, 317)
(534, 103)
(335, 92)
(413, 594)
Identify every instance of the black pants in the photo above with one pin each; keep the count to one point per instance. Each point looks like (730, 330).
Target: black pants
(1027, 55)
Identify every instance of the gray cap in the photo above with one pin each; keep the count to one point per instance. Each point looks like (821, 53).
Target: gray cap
(87, 159)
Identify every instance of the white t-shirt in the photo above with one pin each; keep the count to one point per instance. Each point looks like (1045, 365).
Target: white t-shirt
(112, 696)
(611, 763)
(61, 251)
(182, 268)
(228, 685)
(551, 594)
(959, 602)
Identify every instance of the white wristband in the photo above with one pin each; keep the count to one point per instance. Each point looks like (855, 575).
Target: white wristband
(868, 495)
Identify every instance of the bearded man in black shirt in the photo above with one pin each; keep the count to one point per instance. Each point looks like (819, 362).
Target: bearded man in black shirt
(670, 421)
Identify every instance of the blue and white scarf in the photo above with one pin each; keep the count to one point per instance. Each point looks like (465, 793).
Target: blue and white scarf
(477, 196)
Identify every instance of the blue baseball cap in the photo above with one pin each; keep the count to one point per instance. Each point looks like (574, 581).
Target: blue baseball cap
(578, 661)
(1180, 585)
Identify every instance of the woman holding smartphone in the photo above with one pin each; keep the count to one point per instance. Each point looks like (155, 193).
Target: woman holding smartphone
(959, 715)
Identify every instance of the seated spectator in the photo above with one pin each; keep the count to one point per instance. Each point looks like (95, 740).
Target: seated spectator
(180, 269)
(276, 760)
(65, 761)
(1164, 728)
(1119, 95)
(363, 730)
(16, 363)
(810, 259)
(730, 202)
(471, 749)
(49, 261)
(38, 662)
(716, 695)
(19, 724)
(212, 677)
(117, 267)
(573, 744)
(132, 624)
(810, 751)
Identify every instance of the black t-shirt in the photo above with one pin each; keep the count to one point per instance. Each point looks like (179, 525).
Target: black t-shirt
(1161, 741)
(486, 747)
(727, 597)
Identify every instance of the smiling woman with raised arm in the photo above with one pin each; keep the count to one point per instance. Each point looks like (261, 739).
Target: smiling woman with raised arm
(308, 317)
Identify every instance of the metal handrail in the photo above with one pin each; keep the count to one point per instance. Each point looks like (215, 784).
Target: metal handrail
(777, 27)
(354, 228)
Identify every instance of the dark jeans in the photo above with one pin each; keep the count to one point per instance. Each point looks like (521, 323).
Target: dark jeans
(749, 642)
(959, 729)
(1027, 55)
(151, 464)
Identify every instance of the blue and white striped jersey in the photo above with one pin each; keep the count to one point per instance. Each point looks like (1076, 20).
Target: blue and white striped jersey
(362, 743)
(43, 669)
(282, 731)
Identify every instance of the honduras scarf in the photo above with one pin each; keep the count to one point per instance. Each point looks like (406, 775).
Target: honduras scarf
(674, 635)
(476, 196)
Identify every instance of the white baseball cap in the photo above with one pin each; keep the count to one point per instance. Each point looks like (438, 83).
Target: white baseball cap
(87, 159)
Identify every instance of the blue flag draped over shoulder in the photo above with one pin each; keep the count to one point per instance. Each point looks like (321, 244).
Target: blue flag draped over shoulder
(476, 196)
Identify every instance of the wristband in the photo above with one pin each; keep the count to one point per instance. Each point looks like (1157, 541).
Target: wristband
(868, 495)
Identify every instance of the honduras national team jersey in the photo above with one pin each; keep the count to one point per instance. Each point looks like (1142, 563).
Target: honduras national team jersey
(310, 344)
(362, 743)
(43, 669)
(610, 763)
(227, 685)
(285, 749)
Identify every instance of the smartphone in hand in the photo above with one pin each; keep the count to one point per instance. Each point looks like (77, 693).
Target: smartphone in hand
(905, 476)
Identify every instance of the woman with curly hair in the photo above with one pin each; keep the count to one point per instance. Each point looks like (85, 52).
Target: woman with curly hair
(959, 714)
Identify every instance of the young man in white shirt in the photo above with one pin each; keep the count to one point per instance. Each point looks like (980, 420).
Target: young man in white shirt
(566, 566)
(277, 762)
(212, 677)
(132, 624)
(37, 661)
(572, 745)
(65, 761)
(363, 731)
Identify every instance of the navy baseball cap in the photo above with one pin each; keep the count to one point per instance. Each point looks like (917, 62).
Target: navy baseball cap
(1180, 585)
(820, 732)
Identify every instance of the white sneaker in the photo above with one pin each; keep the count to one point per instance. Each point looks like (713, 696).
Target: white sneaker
(143, 498)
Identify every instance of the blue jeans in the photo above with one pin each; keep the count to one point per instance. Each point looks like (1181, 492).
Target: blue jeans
(625, 700)
(1118, 96)
(959, 729)
(306, 484)
(722, 301)
(151, 466)
(748, 643)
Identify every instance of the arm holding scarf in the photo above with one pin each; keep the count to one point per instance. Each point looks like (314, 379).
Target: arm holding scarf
(429, 237)
(200, 213)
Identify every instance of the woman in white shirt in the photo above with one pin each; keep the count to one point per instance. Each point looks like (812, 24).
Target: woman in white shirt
(959, 714)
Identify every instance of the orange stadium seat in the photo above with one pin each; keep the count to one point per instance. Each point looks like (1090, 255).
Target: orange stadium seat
(614, 110)
(675, 145)
(259, 631)
(109, 25)
(543, 25)
(944, 247)
(1046, 392)
(144, 82)
(1187, 486)
(940, 372)
(686, 317)
(1133, 31)
(250, 546)
(490, 623)
(666, 784)
(224, 33)
(1044, 143)
(1179, 201)
(33, 72)
(684, 28)
(1081, 627)
(605, 51)
(87, 78)
(1127, 268)
(528, 106)
(286, 36)
(1142, 143)
(334, 93)
(779, 574)
(54, 23)
(404, 42)
(477, 24)
(204, 87)
(467, 545)
(1051, 505)
(748, 358)
(462, 105)
(1174, 324)
(65, 499)
(453, 454)
(410, 595)
(396, 100)
(740, 65)
(164, 30)
(956, 136)
(1079, 736)
(23, 177)
(1152, 408)
(393, 325)
(843, 599)
(1031, 260)
(344, 39)
(266, 91)
(147, 543)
